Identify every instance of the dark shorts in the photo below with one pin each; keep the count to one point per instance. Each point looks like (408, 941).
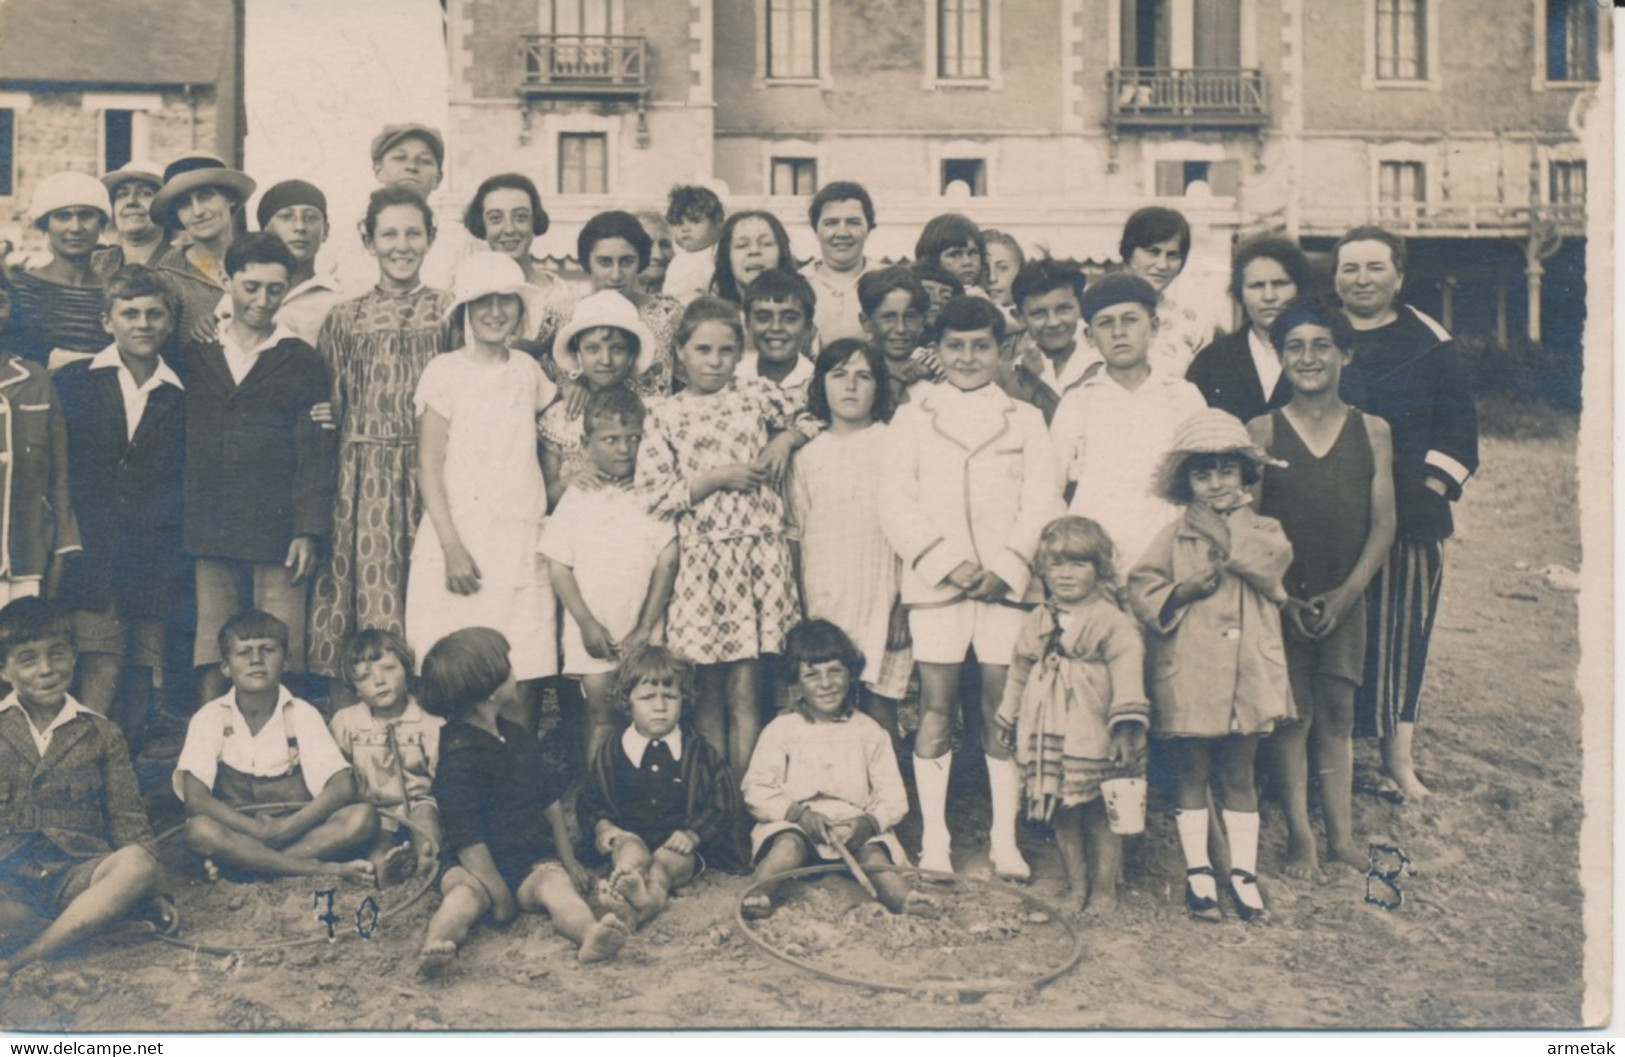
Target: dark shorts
(44, 882)
(1340, 654)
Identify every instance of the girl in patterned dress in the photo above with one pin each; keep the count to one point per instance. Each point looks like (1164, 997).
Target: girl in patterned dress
(614, 249)
(376, 348)
(709, 460)
(847, 571)
(1074, 710)
(604, 345)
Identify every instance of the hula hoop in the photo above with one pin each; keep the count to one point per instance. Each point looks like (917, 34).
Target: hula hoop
(935, 986)
(259, 948)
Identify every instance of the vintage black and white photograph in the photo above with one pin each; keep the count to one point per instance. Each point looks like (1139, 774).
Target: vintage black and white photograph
(547, 515)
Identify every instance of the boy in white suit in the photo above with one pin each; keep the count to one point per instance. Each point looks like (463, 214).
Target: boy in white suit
(970, 484)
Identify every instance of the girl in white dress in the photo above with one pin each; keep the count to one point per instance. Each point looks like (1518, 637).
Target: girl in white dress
(474, 562)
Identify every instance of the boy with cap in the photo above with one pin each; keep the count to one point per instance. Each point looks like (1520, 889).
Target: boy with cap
(140, 237)
(1110, 430)
(296, 212)
(56, 310)
(414, 155)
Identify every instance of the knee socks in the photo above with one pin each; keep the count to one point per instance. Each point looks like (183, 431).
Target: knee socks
(931, 782)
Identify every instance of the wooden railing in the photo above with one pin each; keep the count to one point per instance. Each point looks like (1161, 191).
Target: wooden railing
(1162, 96)
(1446, 218)
(580, 63)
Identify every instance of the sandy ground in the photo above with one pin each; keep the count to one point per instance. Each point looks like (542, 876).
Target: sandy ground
(1489, 935)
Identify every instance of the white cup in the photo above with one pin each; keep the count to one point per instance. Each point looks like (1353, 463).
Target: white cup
(1125, 804)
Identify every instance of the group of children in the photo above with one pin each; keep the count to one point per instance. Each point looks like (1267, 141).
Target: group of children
(1119, 559)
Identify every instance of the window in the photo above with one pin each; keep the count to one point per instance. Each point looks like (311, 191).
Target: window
(962, 39)
(971, 173)
(1571, 40)
(794, 176)
(1567, 183)
(117, 144)
(7, 139)
(792, 39)
(583, 163)
(580, 17)
(1401, 189)
(1221, 178)
(1402, 37)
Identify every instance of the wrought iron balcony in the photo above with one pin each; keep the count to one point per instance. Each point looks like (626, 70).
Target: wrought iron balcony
(583, 66)
(1162, 97)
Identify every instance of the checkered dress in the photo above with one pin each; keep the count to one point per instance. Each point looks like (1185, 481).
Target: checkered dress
(734, 598)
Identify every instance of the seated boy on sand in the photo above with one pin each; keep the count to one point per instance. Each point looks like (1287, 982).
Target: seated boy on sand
(259, 745)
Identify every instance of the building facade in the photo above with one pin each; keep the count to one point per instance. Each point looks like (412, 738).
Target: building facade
(74, 93)
(1452, 121)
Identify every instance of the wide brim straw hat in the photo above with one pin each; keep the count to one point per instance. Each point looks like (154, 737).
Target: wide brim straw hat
(63, 190)
(136, 169)
(606, 308)
(192, 171)
(483, 274)
(1208, 432)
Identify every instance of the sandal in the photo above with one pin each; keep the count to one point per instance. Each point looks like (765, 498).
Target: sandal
(1247, 910)
(1202, 908)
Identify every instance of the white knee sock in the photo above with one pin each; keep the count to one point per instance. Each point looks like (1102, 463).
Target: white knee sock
(1004, 780)
(1242, 827)
(1192, 826)
(931, 782)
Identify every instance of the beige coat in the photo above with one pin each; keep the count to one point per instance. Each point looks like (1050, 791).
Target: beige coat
(1217, 665)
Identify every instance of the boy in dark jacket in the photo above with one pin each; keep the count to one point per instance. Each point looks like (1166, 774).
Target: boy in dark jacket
(76, 849)
(657, 794)
(259, 471)
(126, 419)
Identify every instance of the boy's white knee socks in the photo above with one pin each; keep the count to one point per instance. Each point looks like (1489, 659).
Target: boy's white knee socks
(931, 782)
(1004, 778)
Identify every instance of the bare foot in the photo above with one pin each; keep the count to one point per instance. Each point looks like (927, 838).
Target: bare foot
(435, 956)
(1302, 865)
(612, 902)
(755, 907)
(1073, 898)
(1411, 787)
(358, 870)
(631, 886)
(386, 865)
(210, 870)
(1347, 855)
(1104, 902)
(922, 905)
(604, 940)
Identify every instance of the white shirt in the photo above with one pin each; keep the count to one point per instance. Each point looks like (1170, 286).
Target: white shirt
(42, 738)
(239, 361)
(837, 313)
(1265, 360)
(218, 733)
(134, 396)
(1110, 440)
(689, 275)
(634, 744)
(796, 383)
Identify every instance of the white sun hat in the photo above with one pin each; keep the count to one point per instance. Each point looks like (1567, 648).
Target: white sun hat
(485, 273)
(606, 308)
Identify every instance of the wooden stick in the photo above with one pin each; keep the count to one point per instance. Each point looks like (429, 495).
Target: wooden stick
(857, 871)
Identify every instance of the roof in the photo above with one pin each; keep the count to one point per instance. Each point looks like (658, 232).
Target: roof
(115, 42)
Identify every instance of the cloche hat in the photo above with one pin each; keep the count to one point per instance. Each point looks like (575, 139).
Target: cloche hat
(486, 273)
(1208, 432)
(606, 308)
(62, 190)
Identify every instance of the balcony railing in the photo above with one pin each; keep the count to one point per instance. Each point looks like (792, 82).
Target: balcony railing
(1447, 219)
(1159, 97)
(583, 65)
